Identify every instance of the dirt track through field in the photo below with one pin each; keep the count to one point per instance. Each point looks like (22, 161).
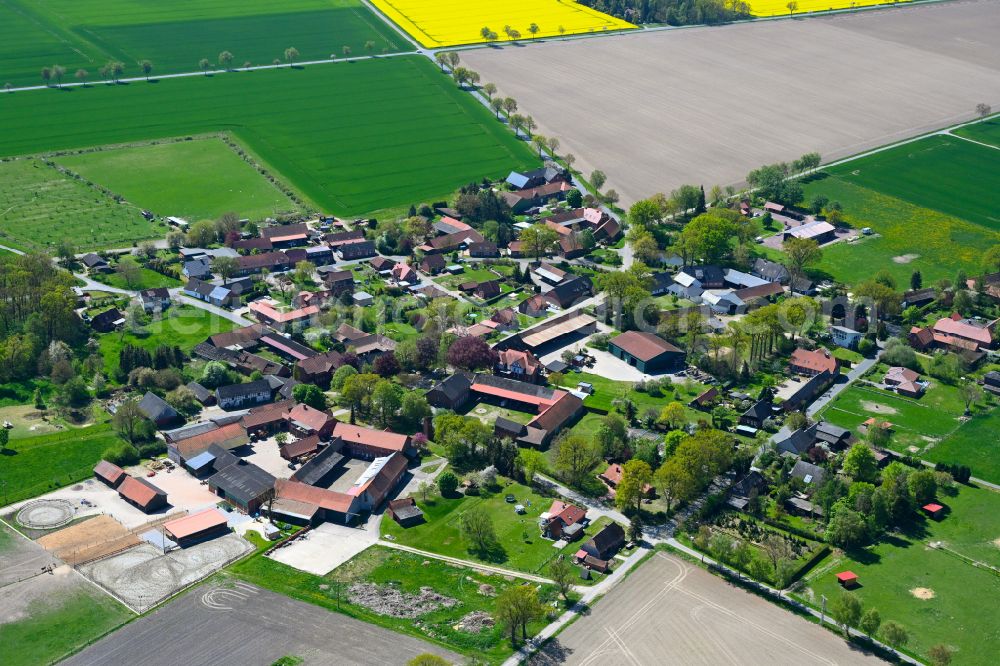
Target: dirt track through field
(706, 105)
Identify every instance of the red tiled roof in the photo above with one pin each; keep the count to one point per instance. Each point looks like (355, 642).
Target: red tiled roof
(264, 414)
(525, 359)
(110, 472)
(223, 436)
(321, 497)
(963, 329)
(263, 307)
(816, 361)
(381, 439)
(300, 447)
(570, 514)
(140, 491)
(846, 576)
(195, 523)
(310, 416)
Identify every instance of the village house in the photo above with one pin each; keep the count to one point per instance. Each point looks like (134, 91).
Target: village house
(563, 521)
(405, 512)
(304, 421)
(242, 396)
(318, 369)
(809, 363)
(287, 235)
(535, 306)
(905, 382)
(483, 250)
(266, 311)
(107, 321)
(158, 410)
(338, 282)
(432, 264)
(520, 365)
(367, 443)
(94, 263)
(606, 543)
(357, 249)
(569, 292)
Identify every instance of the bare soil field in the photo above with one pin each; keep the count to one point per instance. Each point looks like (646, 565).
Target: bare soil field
(238, 623)
(21, 558)
(707, 105)
(88, 540)
(143, 576)
(671, 612)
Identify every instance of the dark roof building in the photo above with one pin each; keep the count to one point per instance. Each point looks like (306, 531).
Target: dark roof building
(605, 543)
(158, 410)
(243, 484)
(649, 353)
(570, 292)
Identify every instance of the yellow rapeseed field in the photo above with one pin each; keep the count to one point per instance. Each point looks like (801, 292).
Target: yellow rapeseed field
(780, 7)
(440, 23)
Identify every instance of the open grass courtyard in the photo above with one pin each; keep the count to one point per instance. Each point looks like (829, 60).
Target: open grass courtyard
(403, 135)
(937, 593)
(455, 22)
(176, 35)
(212, 180)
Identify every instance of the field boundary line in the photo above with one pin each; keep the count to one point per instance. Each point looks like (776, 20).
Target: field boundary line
(457, 561)
(948, 132)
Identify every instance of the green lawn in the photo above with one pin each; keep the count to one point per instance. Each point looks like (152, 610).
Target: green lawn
(352, 137)
(521, 546)
(40, 206)
(408, 573)
(147, 279)
(214, 179)
(942, 173)
(176, 35)
(962, 612)
(181, 325)
(976, 443)
(36, 465)
(606, 391)
(917, 422)
(59, 625)
(910, 237)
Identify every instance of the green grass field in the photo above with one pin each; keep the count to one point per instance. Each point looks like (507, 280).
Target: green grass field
(910, 237)
(522, 547)
(408, 572)
(181, 325)
(59, 625)
(36, 465)
(917, 422)
(39, 206)
(975, 444)
(352, 137)
(212, 179)
(176, 35)
(147, 279)
(942, 173)
(987, 131)
(962, 612)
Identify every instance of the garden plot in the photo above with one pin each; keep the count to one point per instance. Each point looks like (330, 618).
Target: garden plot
(856, 82)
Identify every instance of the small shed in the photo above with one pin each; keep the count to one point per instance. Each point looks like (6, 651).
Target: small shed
(934, 511)
(847, 579)
(405, 512)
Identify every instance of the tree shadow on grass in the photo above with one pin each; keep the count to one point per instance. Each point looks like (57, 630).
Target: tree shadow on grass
(494, 553)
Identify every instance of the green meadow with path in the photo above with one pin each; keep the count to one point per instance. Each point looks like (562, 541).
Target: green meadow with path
(353, 138)
(176, 35)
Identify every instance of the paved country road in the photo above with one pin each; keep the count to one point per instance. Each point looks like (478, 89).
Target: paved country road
(244, 625)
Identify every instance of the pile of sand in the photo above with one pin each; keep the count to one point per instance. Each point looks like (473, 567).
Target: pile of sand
(876, 408)
(924, 593)
(905, 258)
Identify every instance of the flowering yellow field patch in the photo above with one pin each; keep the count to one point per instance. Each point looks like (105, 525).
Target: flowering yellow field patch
(440, 23)
(780, 7)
